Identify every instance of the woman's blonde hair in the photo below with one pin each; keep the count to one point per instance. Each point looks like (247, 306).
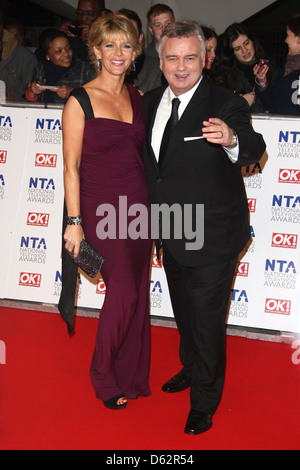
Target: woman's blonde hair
(109, 28)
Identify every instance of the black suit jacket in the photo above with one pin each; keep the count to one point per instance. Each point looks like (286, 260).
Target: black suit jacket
(197, 172)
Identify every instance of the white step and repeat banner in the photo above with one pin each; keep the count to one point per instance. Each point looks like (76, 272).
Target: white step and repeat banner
(266, 294)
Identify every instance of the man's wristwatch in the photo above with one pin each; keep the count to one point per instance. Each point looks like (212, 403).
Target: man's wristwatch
(77, 220)
(235, 143)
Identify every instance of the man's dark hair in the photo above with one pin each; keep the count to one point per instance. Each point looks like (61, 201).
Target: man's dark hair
(47, 37)
(294, 24)
(132, 15)
(101, 4)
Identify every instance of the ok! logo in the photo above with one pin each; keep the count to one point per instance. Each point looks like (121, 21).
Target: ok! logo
(289, 176)
(30, 280)
(3, 156)
(277, 306)
(46, 160)
(38, 219)
(252, 205)
(242, 269)
(101, 287)
(284, 240)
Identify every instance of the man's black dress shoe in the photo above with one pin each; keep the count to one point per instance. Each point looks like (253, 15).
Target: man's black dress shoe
(198, 422)
(177, 384)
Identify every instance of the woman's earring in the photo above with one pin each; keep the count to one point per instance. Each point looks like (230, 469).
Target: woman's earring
(133, 65)
(99, 64)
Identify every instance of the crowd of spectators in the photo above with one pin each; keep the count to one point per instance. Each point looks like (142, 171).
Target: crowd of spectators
(235, 60)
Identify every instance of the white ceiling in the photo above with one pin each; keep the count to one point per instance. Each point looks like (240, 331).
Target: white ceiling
(65, 8)
(204, 12)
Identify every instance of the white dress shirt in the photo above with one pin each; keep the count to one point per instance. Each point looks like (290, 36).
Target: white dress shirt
(163, 114)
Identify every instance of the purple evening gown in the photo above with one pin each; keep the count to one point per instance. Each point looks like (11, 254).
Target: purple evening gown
(111, 167)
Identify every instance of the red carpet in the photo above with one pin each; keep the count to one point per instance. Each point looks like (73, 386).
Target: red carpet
(47, 402)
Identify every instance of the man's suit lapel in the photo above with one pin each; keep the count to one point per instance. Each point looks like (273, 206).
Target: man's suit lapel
(151, 119)
(196, 111)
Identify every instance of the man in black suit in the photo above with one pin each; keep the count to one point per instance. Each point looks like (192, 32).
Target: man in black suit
(200, 164)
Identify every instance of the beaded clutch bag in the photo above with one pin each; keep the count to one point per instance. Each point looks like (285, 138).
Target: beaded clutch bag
(88, 259)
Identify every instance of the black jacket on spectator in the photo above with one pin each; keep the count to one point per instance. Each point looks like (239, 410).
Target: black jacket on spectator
(17, 64)
(280, 96)
(76, 75)
(242, 82)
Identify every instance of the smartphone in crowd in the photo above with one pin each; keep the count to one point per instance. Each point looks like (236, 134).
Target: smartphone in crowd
(262, 63)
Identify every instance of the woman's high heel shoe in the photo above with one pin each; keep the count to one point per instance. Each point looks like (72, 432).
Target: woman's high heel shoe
(113, 403)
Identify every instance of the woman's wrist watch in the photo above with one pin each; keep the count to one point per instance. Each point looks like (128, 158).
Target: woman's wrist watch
(77, 220)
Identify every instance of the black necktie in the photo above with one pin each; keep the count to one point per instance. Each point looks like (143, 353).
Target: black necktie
(173, 120)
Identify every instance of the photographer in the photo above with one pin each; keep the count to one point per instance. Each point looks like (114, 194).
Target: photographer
(87, 12)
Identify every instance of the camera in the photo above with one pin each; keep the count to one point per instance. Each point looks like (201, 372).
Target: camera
(75, 30)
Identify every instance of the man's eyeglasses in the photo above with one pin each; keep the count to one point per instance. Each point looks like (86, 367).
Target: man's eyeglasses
(87, 14)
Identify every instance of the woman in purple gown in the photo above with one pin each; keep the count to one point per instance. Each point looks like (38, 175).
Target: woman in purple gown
(103, 133)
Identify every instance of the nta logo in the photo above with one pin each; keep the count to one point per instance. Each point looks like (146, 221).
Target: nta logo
(289, 137)
(48, 124)
(5, 121)
(42, 183)
(292, 202)
(281, 266)
(33, 243)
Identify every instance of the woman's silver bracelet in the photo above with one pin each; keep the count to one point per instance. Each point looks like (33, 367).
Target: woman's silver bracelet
(77, 220)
